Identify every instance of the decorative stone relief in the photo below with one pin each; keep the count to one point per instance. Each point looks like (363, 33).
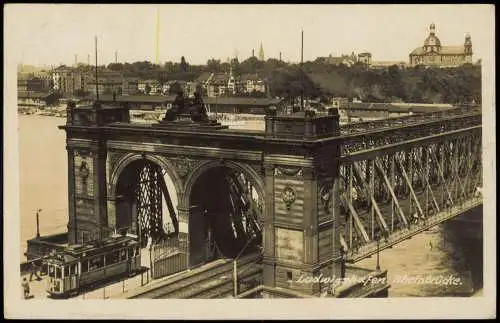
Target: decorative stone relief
(83, 170)
(113, 159)
(287, 171)
(288, 196)
(325, 195)
(183, 165)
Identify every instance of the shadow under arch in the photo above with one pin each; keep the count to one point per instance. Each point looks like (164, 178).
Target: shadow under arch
(145, 197)
(167, 168)
(248, 171)
(226, 202)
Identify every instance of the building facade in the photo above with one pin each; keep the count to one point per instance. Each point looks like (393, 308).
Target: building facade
(66, 79)
(228, 84)
(365, 58)
(433, 53)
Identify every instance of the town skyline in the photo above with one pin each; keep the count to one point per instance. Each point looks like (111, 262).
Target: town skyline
(49, 37)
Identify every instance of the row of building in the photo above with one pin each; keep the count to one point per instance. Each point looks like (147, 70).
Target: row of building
(69, 80)
(432, 53)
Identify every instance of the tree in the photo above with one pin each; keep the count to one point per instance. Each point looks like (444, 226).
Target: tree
(147, 89)
(213, 65)
(235, 65)
(184, 64)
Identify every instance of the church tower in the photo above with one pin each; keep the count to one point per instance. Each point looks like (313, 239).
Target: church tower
(468, 49)
(261, 52)
(468, 45)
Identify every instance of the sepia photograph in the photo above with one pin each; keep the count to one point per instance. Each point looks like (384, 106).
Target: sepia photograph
(188, 160)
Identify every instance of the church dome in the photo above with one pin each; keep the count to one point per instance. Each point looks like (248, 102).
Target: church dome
(432, 39)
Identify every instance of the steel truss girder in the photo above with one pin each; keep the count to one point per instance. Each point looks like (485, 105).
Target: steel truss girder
(149, 202)
(441, 173)
(374, 152)
(370, 195)
(408, 182)
(432, 164)
(393, 195)
(357, 221)
(427, 183)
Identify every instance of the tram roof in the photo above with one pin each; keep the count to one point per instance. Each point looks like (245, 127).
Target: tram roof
(73, 252)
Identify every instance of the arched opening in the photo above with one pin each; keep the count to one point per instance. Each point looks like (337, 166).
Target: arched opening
(146, 202)
(226, 215)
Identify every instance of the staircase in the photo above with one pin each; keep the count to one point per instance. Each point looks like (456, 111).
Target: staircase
(212, 280)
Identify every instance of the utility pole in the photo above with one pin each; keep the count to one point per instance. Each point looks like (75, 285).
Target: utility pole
(38, 223)
(88, 59)
(302, 72)
(157, 33)
(96, 77)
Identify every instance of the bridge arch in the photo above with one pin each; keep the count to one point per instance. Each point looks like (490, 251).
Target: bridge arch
(163, 162)
(247, 170)
(144, 195)
(227, 203)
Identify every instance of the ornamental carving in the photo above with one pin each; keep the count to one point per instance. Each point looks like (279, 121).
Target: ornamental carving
(183, 165)
(84, 153)
(113, 159)
(83, 172)
(288, 196)
(325, 195)
(287, 171)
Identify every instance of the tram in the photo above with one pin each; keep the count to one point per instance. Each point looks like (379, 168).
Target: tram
(78, 266)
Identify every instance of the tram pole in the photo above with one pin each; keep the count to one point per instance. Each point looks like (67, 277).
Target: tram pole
(235, 267)
(378, 251)
(38, 223)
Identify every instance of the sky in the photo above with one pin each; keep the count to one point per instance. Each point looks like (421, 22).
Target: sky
(47, 34)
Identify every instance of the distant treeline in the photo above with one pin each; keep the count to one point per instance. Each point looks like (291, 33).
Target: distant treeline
(318, 79)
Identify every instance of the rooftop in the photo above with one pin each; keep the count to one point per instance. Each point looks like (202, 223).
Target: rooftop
(151, 99)
(32, 94)
(444, 50)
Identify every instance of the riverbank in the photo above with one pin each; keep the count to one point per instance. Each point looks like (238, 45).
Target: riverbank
(142, 115)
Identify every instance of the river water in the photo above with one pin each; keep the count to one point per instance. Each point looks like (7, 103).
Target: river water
(43, 185)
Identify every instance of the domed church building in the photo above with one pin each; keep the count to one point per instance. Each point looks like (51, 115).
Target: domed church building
(434, 54)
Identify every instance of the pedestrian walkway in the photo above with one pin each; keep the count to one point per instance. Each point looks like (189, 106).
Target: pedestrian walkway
(38, 288)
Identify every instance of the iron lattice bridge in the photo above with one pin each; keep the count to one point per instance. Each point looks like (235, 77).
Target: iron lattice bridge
(399, 177)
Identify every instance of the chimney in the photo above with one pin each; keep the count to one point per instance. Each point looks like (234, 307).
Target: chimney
(253, 53)
(280, 56)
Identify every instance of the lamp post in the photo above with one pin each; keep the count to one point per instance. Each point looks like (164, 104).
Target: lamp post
(235, 269)
(216, 107)
(38, 223)
(378, 251)
(342, 262)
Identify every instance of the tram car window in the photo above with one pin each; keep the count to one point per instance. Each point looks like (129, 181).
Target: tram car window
(85, 266)
(123, 254)
(112, 258)
(96, 263)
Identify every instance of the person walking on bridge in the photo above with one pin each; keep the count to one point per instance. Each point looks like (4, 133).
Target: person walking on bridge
(34, 271)
(26, 288)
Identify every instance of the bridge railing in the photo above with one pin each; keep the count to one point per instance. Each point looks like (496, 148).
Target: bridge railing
(169, 256)
(367, 250)
(360, 127)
